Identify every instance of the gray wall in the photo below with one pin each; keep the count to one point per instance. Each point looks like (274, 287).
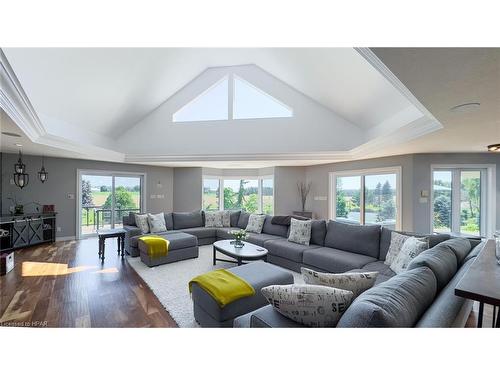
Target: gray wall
(286, 195)
(188, 187)
(62, 180)
(318, 175)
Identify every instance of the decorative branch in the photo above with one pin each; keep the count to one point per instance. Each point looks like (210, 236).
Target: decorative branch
(304, 190)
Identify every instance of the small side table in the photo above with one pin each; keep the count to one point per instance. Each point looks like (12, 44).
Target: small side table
(118, 233)
(481, 283)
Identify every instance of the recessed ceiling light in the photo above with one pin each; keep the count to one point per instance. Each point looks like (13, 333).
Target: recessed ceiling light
(18, 145)
(11, 134)
(494, 148)
(466, 107)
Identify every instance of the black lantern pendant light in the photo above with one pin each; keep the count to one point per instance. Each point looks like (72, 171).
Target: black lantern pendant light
(42, 173)
(21, 178)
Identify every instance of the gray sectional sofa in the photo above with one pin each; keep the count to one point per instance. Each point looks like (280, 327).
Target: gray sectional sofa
(339, 247)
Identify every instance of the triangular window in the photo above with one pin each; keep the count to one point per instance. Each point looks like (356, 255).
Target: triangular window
(248, 102)
(251, 102)
(209, 106)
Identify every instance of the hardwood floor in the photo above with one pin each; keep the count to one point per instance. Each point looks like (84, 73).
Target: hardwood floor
(65, 285)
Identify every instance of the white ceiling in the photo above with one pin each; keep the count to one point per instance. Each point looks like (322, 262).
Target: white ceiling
(107, 90)
(100, 94)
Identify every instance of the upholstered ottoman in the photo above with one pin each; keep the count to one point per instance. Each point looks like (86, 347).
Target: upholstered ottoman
(182, 246)
(207, 311)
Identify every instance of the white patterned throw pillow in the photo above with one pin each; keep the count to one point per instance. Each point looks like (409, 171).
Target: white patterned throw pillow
(356, 282)
(141, 220)
(410, 249)
(157, 223)
(226, 219)
(397, 241)
(300, 231)
(213, 219)
(255, 223)
(311, 305)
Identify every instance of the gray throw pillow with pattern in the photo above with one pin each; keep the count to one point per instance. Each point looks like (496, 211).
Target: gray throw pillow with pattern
(411, 248)
(141, 220)
(300, 231)
(311, 305)
(226, 218)
(255, 223)
(397, 241)
(157, 223)
(356, 282)
(213, 219)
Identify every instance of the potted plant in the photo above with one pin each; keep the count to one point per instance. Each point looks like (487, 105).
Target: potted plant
(239, 236)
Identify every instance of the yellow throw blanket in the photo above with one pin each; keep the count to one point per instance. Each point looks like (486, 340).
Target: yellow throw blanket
(224, 286)
(157, 246)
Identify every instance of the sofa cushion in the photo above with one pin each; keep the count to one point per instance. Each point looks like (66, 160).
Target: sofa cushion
(187, 219)
(157, 223)
(169, 221)
(178, 240)
(300, 231)
(255, 223)
(360, 239)
(213, 219)
(265, 317)
(260, 239)
(448, 310)
(288, 250)
(277, 230)
(334, 260)
(318, 232)
(410, 249)
(397, 302)
(243, 220)
(460, 247)
(441, 260)
(385, 239)
(380, 267)
(225, 233)
(235, 215)
(475, 251)
(201, 232)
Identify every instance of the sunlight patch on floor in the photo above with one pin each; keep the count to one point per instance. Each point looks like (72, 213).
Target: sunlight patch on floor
(50, 269)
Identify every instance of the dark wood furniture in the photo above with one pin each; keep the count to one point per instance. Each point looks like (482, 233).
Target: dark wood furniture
(27, 230)
(247, 252)
(118, 233)
(481, 283)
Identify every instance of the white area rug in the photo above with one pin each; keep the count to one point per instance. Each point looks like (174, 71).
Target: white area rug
(169, 282)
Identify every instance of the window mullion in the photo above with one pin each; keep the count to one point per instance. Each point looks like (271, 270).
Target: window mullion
(362, 201)
(455, 199)
(221, 194)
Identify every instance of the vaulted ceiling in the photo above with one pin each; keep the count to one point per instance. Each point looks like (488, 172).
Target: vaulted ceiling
(117, 103)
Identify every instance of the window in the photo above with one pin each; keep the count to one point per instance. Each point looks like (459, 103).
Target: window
(367, 197)
(250, 102)
(459, 197)
(253, 194)
(247, 102)
(209, 106)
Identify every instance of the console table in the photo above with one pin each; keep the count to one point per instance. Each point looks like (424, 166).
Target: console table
(481, 282)
(19, 231)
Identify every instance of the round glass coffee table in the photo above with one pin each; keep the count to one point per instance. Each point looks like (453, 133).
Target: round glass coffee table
(248, 252)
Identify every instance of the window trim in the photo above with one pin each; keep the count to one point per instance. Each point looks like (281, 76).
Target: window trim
(488, 188)
(221, 179)
(332, 190)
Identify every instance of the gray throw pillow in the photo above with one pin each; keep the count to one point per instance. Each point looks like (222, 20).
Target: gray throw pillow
(142, 222)
(356, 282)
(255, 223)
(300, 231)
(213, 219)
(311, 305)
(410, 249)
(157, 223)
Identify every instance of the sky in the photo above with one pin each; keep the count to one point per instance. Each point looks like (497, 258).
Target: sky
(249, 102)
(98, 181)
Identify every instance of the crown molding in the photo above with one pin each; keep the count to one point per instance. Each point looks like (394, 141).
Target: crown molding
(16, 104)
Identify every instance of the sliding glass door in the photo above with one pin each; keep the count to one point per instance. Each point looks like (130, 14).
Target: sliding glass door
(458, 201)
(104, 198)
